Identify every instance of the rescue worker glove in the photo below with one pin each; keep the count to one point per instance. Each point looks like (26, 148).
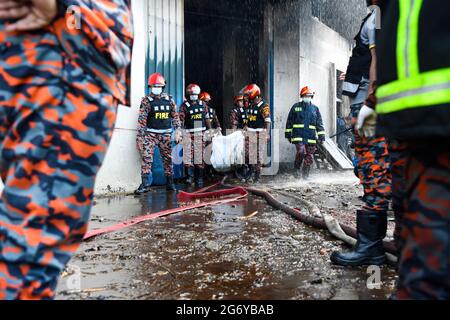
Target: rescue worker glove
(367, 122)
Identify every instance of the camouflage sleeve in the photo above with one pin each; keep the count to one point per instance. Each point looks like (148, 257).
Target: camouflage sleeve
(266, 113)
(216, 120)
(143, 115)
(175, 115)
(182, 115)
(207, 115)
(207, 112)
(234, 121)
(102, 31)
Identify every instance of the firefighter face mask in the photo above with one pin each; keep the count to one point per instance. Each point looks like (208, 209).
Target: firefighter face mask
(307, 100)
(194, 97)
(156, 90)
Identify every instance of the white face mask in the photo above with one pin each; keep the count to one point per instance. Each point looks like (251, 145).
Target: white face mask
(307, 100)
(157, 91)
(194, 97)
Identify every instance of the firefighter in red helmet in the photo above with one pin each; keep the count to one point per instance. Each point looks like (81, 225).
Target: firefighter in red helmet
(157, 117)
(238, 115)
(304, 129)
(258, 126)
(215, 122)
(216, 129)
(195, 119)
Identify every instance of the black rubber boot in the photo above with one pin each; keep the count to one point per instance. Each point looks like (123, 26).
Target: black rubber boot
(144, 187)
(199, 178)
(257, 177)
(305, 172)
(371, 230)
(170, 185)
(190, 176)
(297, 170)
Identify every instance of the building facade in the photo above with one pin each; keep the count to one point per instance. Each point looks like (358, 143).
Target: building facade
(223, 45)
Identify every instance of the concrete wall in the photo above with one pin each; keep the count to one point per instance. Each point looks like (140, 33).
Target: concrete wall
(307, 52)
(121, 169)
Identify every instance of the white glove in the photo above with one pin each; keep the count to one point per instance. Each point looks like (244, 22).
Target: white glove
(367, 122)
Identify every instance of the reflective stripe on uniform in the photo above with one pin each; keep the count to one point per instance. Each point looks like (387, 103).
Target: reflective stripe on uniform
(299, 126)
(256, 130)
(321, 133)
(408, 38)
(312, 141)
(288, 130)
(159, 131)
(426, 89)
(297, 140)
(313, 127)
(196, 130)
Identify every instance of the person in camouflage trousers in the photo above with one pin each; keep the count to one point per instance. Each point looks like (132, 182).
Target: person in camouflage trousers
(157, 117)
(258, 130)
(195, 119)
(373, 168)
(412, 106)
(57, 112)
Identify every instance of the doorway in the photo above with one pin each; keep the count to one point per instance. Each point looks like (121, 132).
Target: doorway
(225, 49)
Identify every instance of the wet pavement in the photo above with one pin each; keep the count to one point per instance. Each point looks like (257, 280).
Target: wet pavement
(243, 250)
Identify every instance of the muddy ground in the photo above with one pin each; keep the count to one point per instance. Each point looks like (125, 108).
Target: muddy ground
(218, 253)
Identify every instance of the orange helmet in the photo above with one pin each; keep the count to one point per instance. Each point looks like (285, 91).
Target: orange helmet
(252, 91)
(306, 91)
(205, 96)
(238, 97)
(156, 79)
(193, 89)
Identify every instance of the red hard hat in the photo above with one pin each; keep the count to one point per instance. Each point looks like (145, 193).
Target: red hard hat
(306, 91)
(193, 89)
(252, 91)
(156, 79)
(205, 96)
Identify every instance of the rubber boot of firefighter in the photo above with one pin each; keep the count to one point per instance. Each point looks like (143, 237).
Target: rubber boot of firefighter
(144, 187)
(297, 170)
(190, 176)
(371, 230)
(305, 172)
(199, 178)
(170, 185)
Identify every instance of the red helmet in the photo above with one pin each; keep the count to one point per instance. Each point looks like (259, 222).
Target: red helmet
(239, 97)
(193, 89)
(306, 91)
(205, 96)
(252, 91)
(156, 79)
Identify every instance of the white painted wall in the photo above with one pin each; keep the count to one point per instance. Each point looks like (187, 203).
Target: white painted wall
(121, 169)
(308, 57)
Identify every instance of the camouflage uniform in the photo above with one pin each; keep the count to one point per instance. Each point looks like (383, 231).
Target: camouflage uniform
(397, 153)
(425, 242)
(194, 117)
(148, 138)
(373, 168)
(256, 140)
(57, 112)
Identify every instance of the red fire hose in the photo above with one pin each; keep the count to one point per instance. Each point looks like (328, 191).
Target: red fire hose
(238, 193)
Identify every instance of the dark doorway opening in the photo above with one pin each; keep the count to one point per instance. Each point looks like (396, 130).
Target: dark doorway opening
(225, 49)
